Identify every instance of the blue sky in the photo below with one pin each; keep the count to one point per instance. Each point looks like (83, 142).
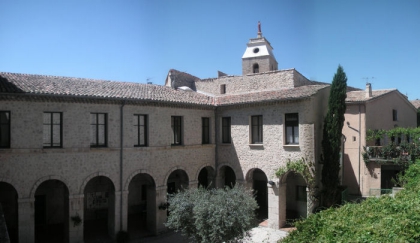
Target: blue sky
(139, 41)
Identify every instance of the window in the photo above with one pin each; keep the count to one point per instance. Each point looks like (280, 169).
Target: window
(301, 193)
(223, 88)
(4, 129)
(176, 124)
(226, 130)
(205, 130)
(292, 128)
(256, 130)
(255, 68)
(140, 128)
(394, 115)
(53, 130)
(98, 125)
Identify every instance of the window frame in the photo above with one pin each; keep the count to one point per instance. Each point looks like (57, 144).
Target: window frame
(292, 125)
(394, 115)
(176, 131)
(96, 125)
(138, 127)
(226, 130)
(8, 126)
(205, 130)
(257, 126)
(51, 126)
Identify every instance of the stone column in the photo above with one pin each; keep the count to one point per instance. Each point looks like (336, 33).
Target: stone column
(161, 215)
(117, 214)
(124, 210)
(26, 209)
(273, 205)
(193, 184)
(76, 207)
(282, 204)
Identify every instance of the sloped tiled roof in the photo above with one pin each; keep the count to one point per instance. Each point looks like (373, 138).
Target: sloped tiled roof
(360, 96)
(44, 85)
(81, 87)
(272, 95)
(416, 103)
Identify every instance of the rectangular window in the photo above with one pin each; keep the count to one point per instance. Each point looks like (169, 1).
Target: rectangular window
(223, 88)
(292, 128)
(140, 128)
(98, 130)
(256, 130)
(301, 193)
(394, 115)
(205, 130)
(53, 130)
(4, 129)
(226, 130)
(176, 124)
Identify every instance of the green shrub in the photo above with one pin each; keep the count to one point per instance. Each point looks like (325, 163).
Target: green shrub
(216, 215)
(384, 219)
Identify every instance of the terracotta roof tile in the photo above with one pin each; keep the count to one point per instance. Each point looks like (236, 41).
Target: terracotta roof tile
(416, 103)
(360, 96)
(81, 87)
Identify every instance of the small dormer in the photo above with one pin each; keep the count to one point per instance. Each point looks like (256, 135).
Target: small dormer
(258, 56)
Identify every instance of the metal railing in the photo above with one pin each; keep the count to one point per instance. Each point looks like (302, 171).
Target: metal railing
(377, 192)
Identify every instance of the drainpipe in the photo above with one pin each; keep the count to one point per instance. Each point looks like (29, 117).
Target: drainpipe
(216, 160)
(360, 144)
(121, 161)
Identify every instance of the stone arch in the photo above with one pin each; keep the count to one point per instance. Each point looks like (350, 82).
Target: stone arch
(239, 174)
(200, 168)
(9, 199)
(257, 179)
(205, 176)
(46, 178)
(9, 181)
(165, 181)
(132, 175)
(249, 175)
(89, 177)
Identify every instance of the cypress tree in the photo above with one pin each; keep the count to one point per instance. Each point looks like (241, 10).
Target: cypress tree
(331, 140)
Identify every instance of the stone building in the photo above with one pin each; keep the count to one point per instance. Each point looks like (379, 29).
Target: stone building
(80, 157)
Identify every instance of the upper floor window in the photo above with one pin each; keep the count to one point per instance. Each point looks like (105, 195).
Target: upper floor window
(256, 129)
(176, 125)
(98, 130)
(394, 115)
(4, 129)
(205, 130)
(226, 130)
(255, 68)
(223, 88)
(140, 128)
(53, 130)
(292, 128)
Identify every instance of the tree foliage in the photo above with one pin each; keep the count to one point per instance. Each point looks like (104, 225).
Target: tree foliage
(382, 219)
(331, 140)
(215, 215)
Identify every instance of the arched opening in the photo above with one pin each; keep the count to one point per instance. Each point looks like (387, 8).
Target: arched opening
(227, 176)
(141, 206)
(206, 177)
(9, 204)
(99, 209)
(177, 180)
(52, 212)
(255, 68)
(296, 196)
(259, 186)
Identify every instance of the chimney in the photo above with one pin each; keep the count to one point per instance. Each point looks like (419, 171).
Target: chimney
(368, 90)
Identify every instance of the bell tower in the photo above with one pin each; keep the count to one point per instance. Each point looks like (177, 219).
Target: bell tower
(258, 56)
